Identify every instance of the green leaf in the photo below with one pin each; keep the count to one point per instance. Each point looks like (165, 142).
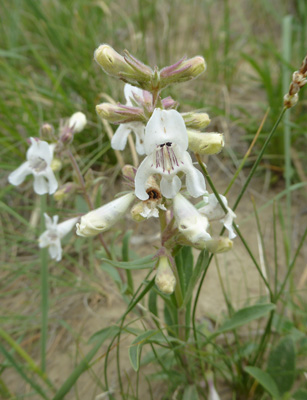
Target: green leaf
(245, 315)
(190, 393)
(201, 264)
(136, 347)
(281, 364)
(125, 248)
(301, 394)
(152, 302)
(142, 263)
(265, 380)
(103, 334)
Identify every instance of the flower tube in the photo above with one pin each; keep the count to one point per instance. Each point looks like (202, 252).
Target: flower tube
(105, 217)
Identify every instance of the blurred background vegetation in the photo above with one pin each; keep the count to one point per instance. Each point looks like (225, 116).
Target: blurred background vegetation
(47, 72)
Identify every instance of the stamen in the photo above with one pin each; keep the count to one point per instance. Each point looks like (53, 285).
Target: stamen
(38, 164)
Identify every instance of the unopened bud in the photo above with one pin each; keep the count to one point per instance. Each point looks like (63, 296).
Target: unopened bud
(65, 191)
(120, 114)
(196, 121)
(77, 122)
(205, 143)
(46, 132)
(290, 100)
(56, 164)
(136, 212)
(129, 172)
(219, 245)
(182, 71)
(165, 278)
(127, 68)
(169, 103)
(110, 61)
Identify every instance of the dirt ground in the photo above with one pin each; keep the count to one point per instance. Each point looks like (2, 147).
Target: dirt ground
(84, 314)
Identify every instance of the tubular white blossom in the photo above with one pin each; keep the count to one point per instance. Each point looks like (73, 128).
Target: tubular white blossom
(120, 137)
(166, 142)
(51, 238)
(39, 159)
(214, 211)
(77, 122)
(190, 222)
(103, 218)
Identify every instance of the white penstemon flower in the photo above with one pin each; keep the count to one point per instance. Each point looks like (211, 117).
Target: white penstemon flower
(51, 238)
(103, 218)
(165, 143)
(120, 137)
(39, 158)
(214, 211)
(190, 222)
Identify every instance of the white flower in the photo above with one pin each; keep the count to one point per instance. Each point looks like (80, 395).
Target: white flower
(39, 158)
(190, 222)
(213, 394)
(166, 142)
(77, 122)
(103, 218)
(120, 137)
(51, 238)
(214, 211)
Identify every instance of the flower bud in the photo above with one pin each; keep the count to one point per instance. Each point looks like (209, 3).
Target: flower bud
(47, 132)
(127, 68)
(129, 172)
(65, 191)
(165, 278)
(110, 61)
(77, 122)
(220, 245)
(196, 121)
(120, 114)
(182, 71)
(56, 164)
(169, 103)
(105, 217)
(136, 212)
(290, 100)
(205, 142)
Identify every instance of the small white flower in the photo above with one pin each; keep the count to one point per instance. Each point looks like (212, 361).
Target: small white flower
(213, 394)
(120, 137)
(77, 122)
(190, 222)
(39, 158)
(166, 142)
(165, 278)
(214, 211)
(51, 238)
(103, 218)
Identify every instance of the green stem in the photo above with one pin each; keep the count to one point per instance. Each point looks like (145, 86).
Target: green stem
(44, 291)
(86, 196)
(259, 158)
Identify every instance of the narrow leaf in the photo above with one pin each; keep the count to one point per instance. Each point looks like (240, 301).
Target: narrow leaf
(246, 315)
(142, 263)
(190, 393)
(265, 380)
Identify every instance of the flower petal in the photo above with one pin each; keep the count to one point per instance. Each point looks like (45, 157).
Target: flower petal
(195, 180)
(143, 173)
(65, 227)
(129, 90)
(52, 182)
(18, 176)
(39, 149)
(165, 126)
(119, 140)
(55, 250)
(138, 128)
(170, 186)
(40, 184)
